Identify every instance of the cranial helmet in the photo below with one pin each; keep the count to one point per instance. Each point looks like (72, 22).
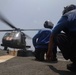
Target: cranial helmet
(48, 24)
(68, 8)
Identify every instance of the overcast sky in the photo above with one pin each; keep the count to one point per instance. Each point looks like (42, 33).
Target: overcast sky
(28, 14)
(32, 13)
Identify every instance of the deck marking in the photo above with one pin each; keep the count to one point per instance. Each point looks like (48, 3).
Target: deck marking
(4, 58)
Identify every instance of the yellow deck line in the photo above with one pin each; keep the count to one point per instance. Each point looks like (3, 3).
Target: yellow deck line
(5, 58)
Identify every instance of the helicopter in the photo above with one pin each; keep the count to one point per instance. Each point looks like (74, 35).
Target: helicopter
(14, 38)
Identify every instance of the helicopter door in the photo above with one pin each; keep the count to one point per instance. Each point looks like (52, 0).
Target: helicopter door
(23, 38)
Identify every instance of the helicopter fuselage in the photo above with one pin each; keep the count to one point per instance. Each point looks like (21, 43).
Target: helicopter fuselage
(14, 39)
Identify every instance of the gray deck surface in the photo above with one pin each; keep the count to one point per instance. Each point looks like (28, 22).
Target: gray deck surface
(29, 66)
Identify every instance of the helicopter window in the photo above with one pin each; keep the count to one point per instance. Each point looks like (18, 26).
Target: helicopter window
(23, 37)
(7, 34)
(12, 34)
(17, 35)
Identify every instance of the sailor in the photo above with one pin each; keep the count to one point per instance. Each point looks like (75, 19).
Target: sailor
(65, 41)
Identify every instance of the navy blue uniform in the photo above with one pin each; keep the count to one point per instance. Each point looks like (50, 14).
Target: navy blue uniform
(66, 41)
(41, 39)
(40, 42)
(67, 23)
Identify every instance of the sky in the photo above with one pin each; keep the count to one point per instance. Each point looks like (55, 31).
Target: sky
(26, 14)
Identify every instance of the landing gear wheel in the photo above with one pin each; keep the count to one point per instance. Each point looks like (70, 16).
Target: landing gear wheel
(5, 48)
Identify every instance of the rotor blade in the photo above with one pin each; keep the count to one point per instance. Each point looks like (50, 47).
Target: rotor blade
(5, 30)
(30, 29)
(20, 30)
(2, 18)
